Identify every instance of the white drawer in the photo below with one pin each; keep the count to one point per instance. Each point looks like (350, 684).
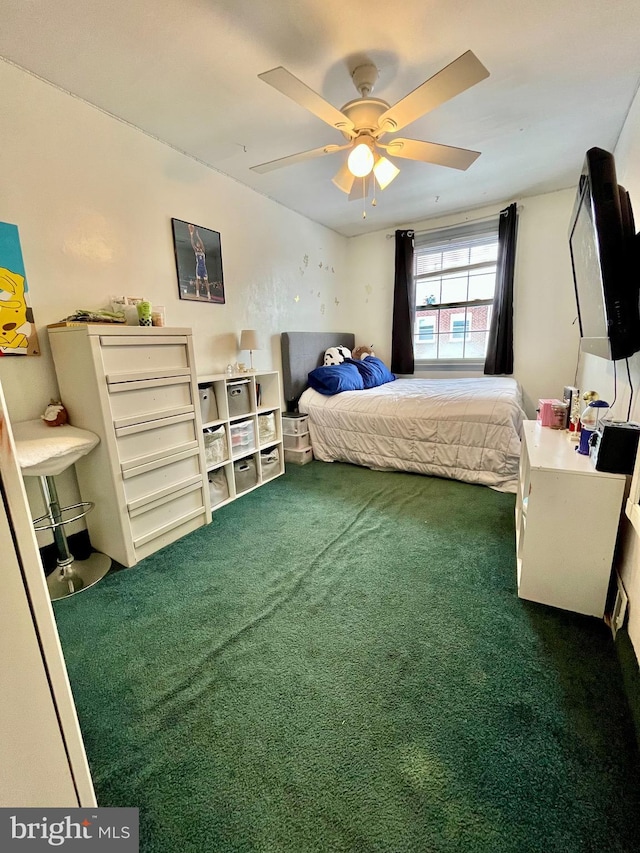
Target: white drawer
(163, 515)
(156, 479)
(150, 399)
(155, 437)
(132, 355)
(170, 534)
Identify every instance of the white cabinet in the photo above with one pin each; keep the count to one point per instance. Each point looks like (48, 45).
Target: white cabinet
(567, 517)
(136, 388)
(43, 758)
(241, 421)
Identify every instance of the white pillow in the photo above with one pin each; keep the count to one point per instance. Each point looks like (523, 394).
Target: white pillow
(336, 355)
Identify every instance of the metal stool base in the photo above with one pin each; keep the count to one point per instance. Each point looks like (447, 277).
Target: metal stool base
(71, 575)
(78, 576)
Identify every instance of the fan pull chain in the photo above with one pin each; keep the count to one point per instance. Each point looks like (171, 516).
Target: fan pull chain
(364, 200)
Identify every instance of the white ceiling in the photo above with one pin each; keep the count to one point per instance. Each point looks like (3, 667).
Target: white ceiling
(563, 75)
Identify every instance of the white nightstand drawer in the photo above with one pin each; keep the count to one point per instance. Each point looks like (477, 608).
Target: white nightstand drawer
(126, 354)
(150, 399)
(149, 522)
(296, 442)
(150, 481)
(154, 437)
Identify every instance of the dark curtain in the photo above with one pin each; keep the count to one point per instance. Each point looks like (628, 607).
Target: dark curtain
(404, 304)
(499, 358)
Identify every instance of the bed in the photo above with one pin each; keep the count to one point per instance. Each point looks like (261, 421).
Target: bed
(461, 429)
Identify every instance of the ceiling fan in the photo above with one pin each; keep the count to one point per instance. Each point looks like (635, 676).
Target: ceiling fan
(365, 120)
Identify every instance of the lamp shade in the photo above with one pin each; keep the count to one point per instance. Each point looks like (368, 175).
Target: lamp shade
(343, 178)
(385, 171)
(249, 339)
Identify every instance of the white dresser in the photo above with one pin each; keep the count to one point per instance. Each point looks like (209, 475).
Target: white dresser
(136, 388)
(567, 517)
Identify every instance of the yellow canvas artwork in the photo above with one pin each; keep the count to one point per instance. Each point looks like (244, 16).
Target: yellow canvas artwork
(18, 334)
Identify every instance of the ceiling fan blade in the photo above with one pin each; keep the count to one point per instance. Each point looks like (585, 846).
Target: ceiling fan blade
(285, 82)
(343, 178)
(360, 188)
(261, 168)
(431, 152)
(459, 75)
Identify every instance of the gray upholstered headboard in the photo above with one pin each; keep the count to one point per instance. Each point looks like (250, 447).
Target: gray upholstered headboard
(302, 352)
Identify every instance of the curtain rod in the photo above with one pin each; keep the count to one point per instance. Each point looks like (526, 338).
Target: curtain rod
(519, 208)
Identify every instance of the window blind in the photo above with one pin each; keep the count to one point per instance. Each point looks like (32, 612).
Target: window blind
(456, 247)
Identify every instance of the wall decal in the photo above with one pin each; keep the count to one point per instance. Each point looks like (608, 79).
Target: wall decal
(18, 334)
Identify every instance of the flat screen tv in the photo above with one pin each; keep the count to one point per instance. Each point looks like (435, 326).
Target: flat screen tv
(604, 257)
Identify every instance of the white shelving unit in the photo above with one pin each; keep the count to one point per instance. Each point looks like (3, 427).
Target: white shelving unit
(567, 517)
(248, 433)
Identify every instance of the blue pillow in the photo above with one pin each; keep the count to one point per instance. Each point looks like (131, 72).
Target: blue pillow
(334, 378)
(373, 371)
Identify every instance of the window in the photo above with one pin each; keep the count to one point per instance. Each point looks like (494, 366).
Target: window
(460, 326)
(426, 330)
(455, 277)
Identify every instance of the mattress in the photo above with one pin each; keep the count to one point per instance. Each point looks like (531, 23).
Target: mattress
(462, 429)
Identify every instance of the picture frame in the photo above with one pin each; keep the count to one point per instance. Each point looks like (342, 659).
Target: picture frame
(18, 334)
(198, 254)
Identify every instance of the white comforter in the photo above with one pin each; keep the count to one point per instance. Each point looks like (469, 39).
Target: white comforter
(463, 429)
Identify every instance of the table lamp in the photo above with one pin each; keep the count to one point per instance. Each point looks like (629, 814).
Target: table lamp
(249, 341)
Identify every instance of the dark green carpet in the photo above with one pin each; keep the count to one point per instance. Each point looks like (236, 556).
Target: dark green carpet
(340, 663)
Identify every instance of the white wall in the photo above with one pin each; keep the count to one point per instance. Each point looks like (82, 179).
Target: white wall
(598, 374)
(545, 337)
(93, 200)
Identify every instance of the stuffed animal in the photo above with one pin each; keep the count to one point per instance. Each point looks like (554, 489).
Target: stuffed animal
(336, 355)
(55, 414)
(361, 353)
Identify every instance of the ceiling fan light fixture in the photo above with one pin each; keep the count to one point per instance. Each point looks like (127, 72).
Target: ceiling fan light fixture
(385, 171)
(360, 160)
(364, 120)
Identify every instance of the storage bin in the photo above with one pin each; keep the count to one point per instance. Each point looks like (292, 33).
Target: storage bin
(267, 428)
(243, 438)
(215, 445)
(208, 406)
(297, 442)
(299, 457)
(238, 398)
(245, 474)
(218, 487)
(294, 424)
(269, 462)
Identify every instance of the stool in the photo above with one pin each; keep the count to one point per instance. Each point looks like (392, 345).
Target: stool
(45, 452)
